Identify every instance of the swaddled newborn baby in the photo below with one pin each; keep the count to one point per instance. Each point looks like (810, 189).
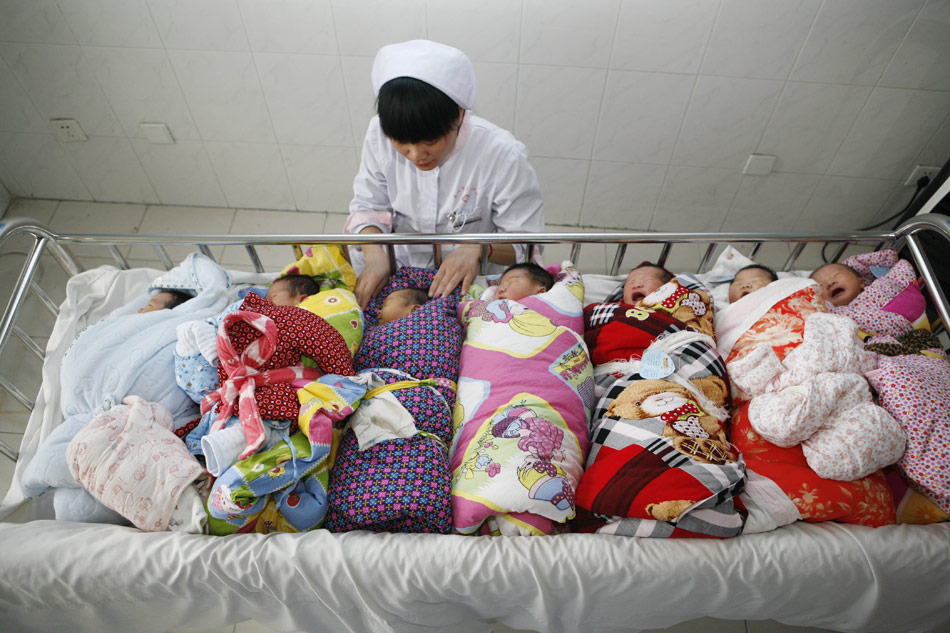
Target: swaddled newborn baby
(876, 290)
(525, 394)
(164, 300)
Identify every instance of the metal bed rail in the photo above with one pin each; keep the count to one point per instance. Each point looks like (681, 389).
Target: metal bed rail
(45, 241)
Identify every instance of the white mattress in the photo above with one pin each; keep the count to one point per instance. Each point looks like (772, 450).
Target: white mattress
(56, 575)
(84, 577)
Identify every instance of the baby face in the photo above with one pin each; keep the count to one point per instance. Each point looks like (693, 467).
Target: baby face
(748, 281)
(159, 301)
(396, 306)
(280, 294)
(641, 282)
(839, 284)
(517, 284)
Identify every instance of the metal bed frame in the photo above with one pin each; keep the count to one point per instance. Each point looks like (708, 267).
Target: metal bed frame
(46, 243)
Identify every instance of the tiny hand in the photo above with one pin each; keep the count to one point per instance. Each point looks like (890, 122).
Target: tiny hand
(459, 267)
(373, 278)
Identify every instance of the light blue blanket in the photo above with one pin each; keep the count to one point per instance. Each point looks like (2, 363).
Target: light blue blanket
(125, 354)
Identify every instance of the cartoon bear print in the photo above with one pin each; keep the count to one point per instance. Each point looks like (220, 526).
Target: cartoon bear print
(695, 432)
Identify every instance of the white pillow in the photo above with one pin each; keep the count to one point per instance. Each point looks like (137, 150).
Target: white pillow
(597, 286)
(718, 278)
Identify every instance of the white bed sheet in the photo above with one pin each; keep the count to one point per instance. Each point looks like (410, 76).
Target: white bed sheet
(93, 577)
(86, 577)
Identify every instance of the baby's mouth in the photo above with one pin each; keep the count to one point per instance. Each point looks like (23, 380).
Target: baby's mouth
(835, 292)
(636, 297)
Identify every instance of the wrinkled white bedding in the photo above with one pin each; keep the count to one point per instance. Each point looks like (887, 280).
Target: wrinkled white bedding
(81, 577)
(93, 577)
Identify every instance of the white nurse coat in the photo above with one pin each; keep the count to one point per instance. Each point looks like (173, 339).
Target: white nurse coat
(486, 185)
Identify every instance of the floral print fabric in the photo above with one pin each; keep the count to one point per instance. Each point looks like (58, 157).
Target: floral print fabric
(402, 485)
(916, 390)
(866, 501)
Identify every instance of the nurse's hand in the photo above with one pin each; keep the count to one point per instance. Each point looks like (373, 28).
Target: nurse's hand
(374, 276)
(459, 267)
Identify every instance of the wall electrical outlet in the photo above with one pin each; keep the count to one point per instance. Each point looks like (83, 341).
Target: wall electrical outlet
(68, 130)
(919, 172)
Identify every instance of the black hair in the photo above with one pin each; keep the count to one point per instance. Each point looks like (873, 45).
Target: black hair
(535, 273)
(412, 111)
(299, 284)
(414, 295)
(772, 275)
(666, 275)
(178, 298)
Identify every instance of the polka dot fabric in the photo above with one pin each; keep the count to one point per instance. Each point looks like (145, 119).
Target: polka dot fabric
(915, 389)
(299, 332)
(396, 486)
(874, 308)
(402, 485)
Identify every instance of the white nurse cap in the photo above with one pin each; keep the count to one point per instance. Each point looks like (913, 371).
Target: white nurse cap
(441, 66)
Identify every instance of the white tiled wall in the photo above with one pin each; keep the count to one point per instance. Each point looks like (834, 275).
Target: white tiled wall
(638, 113)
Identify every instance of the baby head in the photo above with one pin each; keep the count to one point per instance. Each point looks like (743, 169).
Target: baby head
(840, 284)
(750, 279)
(164, 300)
(289, 290)
(643, 280)
(401, 303)
(523, 280)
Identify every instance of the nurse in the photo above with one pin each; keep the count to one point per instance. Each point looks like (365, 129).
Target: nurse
(431, 166)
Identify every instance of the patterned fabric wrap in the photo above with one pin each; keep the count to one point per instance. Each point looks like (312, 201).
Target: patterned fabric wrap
(130, 460)
(402, 485)
(285, 488)
(879, 307)
(326, 264)
(915, 389)
(244, 374)
(865, 501)
(526, 390)
(912, 507)
(914, 342)
(341, 310)
(294, 473)
(617, 331)
(329, 396)
(781, 327)
(297, 332)
(660, 464)
(817, 396)
(196, 376)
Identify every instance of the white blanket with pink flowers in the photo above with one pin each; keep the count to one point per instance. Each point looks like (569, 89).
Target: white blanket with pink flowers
(129, 459)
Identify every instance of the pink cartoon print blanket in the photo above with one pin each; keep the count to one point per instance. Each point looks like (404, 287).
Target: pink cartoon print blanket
(521, 420)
